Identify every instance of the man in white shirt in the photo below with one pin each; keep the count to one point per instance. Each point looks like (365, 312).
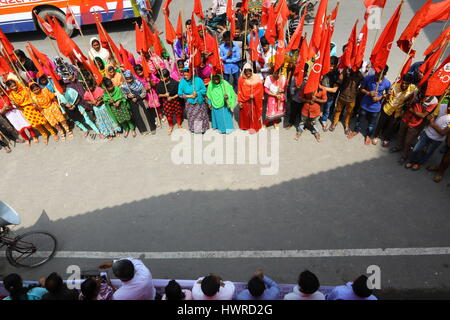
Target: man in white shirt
(212, 287)
(307, 288)
(137, 282)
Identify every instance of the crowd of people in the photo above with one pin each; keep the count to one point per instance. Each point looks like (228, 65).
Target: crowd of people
(136, 283)
(400, 115)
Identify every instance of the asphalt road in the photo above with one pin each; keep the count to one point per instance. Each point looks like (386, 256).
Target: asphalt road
(129, 196)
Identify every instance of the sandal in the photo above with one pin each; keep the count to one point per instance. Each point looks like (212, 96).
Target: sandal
(432, 168)
(385, 144)
(46, 140)
(375, 141)
(169, 131)
(36, 140)
(317, 136)
(416, 167)
(56, 138)
(438, 178)
(63, 137)
(347, 131)
(71, 135)
(7, 149)
(134, 134)
(331, 128)
(126, 134)
(409, 165)
(86, 133)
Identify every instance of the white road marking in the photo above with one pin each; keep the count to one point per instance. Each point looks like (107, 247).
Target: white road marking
(375, 252)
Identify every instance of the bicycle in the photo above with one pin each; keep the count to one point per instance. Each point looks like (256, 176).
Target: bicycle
(31, 249)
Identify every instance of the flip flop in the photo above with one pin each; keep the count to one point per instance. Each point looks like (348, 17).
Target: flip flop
(438, 178)
(409, 165)
(432, 168)
(416, 167)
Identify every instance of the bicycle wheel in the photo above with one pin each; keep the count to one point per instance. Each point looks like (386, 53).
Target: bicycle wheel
(31, 249)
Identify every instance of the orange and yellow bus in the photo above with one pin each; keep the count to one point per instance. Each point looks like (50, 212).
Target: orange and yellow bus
(17, 15)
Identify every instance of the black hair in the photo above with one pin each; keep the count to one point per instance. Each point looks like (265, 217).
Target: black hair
(239, 5)
(360, 287)
(123, 269)
(226, 35)
(10, 82)
(138, 67)
(165, 73)
(263, 41)
(253, 23)
(62, 83)
(306, 68)
(99, 62)
(188, 22)
(20, 53)
(14, 285)
(210, 285)
(308, 282)
(386, 69)
(407, 78)
(173, 291)
(95, 40)
(180, 62)
(34, 85)
(294, 8)
(334, 60)
(107, 82)
(111, 68)
(54, 283)
(256, 286)
(90, 82)
(89, 289)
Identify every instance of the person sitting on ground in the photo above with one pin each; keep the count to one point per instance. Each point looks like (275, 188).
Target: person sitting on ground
(97, 289)
(137, 281)
(260, 287)
(174, 292)
(57, 290)
(307, 288)
(358, 290)
(212, 287)
(14, 285)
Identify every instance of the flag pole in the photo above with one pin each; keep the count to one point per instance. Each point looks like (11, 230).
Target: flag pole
(378, 30)
(244, 51)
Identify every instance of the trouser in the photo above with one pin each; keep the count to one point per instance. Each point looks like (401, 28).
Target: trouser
(304, 121)
(327, 110)
(7, 129)
(42, 127)
(407, 138)
(372, 118)
(425, 142)
(387, 125)
(235, 77)
(179, 118)
(89, 122)
(23, 134)
(294, 115)
(340, 106)
(127, 125)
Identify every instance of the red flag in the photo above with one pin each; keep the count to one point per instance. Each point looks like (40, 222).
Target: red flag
(124, 58)
(430, 63)
(361, 49)
(231, 17)
(334, 14)
(382, 49)
(445, 36)
(412, 30)
(406, 67)
(254, 43)
(140, 42)
(299, 71)
(145, 66)
(373, 3)
(244, 7)
(294, 43)
(271, 29)
(348, 56)
(71, 22)
(157, 47)
(45, 26)
(279, 55)
(266, 6)
(179, 26)
(165, 8)
(7, 45)
(43, 65)
(319, 26)
(216, 61)
(4, 66)
(436, 12)
(316, 70)
(92, 67)
(170, 31)
(282, 13)
(327, 51)
(106, 40)
(438, 83)
(198, 10)
(147, 36)
(36, 62)
(65, 44)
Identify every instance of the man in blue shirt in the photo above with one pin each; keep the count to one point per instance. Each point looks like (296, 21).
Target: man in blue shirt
(231, 56)
(260, 287)
(358, 290)
(374, 88)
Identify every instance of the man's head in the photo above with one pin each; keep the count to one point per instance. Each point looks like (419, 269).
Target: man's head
(293, 10)
(123, 269)
(20, 54)
(90, 288)
(406, 82)
(308, 282)
(165, 75)
(334, 61)
(360, 287)
(380, 75)
(264, 44)
(210, 285)
(227, 38)
(54, 283)
(173, 291)
(254, 25)
(256, 286)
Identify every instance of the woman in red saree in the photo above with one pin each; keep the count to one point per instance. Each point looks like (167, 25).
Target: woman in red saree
(250, 98)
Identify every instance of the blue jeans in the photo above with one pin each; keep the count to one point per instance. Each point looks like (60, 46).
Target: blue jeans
(327, 110)
(424, 142)
(372, 119)
(235, 77)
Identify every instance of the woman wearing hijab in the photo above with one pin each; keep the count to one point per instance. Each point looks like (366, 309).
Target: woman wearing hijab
(104, 121)
(250, 98)
(274, 88)
(48, 104)
(151, 99)
(15, 118)
(70, 100)
(21, 97)
(98, 51)
(193, 90)
(222, 100)
(167, 91)
(143, 117)
(118, 105)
